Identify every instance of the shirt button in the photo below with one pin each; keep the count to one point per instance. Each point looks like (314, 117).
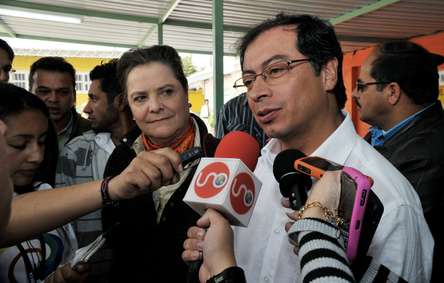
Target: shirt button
(266, 279)
(277, 231)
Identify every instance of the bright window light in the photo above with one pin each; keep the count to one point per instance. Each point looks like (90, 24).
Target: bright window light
(40, 16)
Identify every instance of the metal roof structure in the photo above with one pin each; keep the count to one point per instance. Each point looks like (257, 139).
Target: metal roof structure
(187, 24)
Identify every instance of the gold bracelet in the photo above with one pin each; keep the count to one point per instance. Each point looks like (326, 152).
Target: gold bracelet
(330, 215)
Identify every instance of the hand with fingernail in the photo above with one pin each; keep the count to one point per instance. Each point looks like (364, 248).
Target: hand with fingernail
(212, 239)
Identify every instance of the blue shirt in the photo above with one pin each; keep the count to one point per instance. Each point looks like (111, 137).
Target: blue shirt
(379, 136)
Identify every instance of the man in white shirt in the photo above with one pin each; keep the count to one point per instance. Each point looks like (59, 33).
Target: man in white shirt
(84, 158)
(291, 67)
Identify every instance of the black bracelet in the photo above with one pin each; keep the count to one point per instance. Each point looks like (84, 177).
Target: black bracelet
(233, 274)
(104, 190)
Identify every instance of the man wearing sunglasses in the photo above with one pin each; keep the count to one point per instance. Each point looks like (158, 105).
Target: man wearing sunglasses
(292, 72)
(6, 57)
(397, 94)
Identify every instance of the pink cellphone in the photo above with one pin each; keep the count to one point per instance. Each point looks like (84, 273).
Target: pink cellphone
(362, 186)
(355, 190)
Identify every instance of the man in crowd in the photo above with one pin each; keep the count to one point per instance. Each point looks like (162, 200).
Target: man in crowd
(6, 57)
(53, 80)
(292, 68)
(83, 159)
(397, 93)
(235, 115)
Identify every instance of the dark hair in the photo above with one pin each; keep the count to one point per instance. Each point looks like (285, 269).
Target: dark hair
(15, 100)
(107, 74)
(316, 39)
(158, 53)
(411, 66)
(54, 64)
(5, 46)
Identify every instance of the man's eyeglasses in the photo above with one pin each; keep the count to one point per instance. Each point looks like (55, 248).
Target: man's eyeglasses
(271, 72)
(361, 87)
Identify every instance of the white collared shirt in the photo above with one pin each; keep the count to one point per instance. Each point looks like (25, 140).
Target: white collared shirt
(402, 241)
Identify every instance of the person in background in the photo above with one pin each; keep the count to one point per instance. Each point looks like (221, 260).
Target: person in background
(152, 227)
(235, 115)
(322, 253)
(397, 94)
(292, 68)
(6, 58)
(53, 80)
(83, 159)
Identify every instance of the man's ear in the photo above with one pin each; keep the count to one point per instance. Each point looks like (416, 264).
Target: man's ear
(393, 93)
(329, 74)
(119, 102)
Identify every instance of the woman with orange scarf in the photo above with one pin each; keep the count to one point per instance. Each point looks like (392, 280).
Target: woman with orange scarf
(152, 228)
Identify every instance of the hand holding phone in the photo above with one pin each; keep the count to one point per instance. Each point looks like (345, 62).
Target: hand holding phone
(355, 190)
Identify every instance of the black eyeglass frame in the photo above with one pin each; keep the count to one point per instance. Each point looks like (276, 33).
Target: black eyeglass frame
(361, 87)
(240, 82)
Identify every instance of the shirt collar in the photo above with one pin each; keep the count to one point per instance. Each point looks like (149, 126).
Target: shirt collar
(379, 136)
(337, 147)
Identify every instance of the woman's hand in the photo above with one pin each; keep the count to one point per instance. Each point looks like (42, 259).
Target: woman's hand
(149, 171)
(212, 239)
(326, 191)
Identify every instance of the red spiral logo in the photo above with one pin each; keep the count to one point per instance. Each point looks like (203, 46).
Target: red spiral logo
(242, 193)
(211, 180)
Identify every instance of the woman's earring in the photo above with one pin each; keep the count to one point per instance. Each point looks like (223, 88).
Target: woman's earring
(189, 105)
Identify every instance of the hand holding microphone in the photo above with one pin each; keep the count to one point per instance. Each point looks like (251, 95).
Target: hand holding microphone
(227, 184)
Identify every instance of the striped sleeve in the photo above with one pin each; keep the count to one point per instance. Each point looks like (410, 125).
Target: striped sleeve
(321, 254)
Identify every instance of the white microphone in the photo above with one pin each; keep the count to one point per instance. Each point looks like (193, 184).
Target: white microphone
(226, 182)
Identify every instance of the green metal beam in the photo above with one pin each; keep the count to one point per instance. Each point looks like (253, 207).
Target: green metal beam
(7, 29)
(162, 19)
(47, 38)
(202, 25)
(362, 11)
(116, 16)
(23, 36)
(146, 36)
(160, 34)
(78, 11)
(170, 9)
(218, 55)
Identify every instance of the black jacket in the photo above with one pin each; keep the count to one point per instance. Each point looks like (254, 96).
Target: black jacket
(417, 151)
(142, 248)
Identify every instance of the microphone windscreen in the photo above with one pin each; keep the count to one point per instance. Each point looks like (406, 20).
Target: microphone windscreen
(239, 145)
(284, 162)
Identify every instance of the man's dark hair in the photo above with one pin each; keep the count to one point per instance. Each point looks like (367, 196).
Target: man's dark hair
(53, 64)
(107, 74)
(15, 100)
(5, 46)
(158, 53)
(316, 39)
(411, 66)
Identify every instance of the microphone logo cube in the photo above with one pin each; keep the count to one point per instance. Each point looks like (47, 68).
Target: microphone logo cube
(211, 179)
(224, 184)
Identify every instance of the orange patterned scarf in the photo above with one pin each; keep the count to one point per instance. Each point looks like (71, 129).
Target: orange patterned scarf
(185, 142)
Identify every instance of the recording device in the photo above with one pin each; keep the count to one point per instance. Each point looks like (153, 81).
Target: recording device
(292, 184)
(355, 194)
(189, 156)
(226, 182)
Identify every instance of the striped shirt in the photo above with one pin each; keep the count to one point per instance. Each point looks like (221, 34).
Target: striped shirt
(236, 115)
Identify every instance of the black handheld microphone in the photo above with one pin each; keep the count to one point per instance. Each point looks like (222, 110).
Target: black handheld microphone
(292, 184)
(188, 156)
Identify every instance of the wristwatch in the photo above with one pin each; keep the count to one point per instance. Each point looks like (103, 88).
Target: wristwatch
(233, 274)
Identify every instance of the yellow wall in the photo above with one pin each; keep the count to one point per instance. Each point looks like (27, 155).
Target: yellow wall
(82, 65)
(85, 65)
